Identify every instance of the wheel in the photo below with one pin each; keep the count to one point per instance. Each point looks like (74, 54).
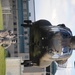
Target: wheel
(27, 21)
(27, 63)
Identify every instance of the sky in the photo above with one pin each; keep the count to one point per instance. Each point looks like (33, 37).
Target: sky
(58, 12)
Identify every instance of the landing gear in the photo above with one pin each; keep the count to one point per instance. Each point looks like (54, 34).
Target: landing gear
(27, 63)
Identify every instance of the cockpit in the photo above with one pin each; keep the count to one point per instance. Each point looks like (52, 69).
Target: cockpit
(59, 40)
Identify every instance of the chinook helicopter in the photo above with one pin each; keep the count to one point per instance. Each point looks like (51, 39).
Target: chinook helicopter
(49, 43)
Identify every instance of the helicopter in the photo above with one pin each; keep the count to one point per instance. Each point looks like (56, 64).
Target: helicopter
(49, 43)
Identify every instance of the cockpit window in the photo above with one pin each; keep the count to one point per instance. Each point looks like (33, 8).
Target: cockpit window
(65, 34)
(65, 49)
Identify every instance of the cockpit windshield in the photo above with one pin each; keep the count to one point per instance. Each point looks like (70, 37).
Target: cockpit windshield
(57, 39)
(65, 33)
